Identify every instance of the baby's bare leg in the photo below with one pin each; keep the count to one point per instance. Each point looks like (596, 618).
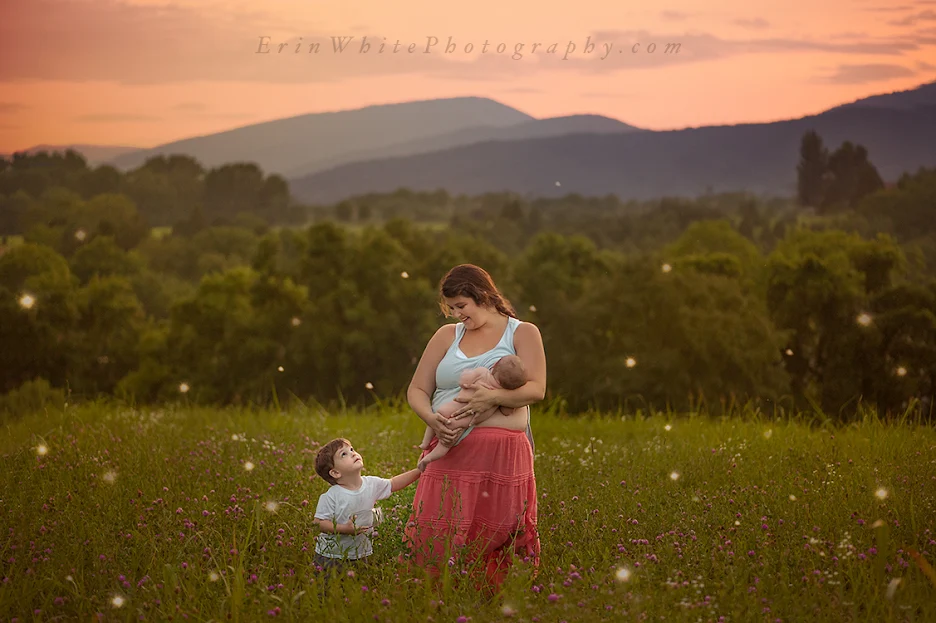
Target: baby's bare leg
(427, 438)
(437, 453)
(460, 423)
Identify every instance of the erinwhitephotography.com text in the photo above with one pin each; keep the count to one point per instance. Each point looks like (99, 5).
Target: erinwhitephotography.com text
(515, 50)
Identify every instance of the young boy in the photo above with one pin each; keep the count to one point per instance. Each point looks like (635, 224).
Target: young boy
(345, 512)
(507, 373)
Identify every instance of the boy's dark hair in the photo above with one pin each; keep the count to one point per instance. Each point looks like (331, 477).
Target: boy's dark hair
(510, 373)
(325, 459)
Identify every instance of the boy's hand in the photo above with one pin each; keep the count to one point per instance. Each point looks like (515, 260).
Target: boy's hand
(351, 529)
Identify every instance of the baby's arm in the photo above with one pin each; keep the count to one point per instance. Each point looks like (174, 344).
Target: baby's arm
(472, 376)
(467, 379)
(472, 379)
(486, 379)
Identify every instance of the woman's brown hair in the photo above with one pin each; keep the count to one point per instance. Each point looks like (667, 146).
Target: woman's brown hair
(475, 283)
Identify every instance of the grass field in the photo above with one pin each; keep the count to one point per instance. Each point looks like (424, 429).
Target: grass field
(124, 515)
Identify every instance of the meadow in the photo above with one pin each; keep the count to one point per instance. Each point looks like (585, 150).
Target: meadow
(115, 513)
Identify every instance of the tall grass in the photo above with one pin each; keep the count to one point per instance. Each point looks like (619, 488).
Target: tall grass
(150, 514)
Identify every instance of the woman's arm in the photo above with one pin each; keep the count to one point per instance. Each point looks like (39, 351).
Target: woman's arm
(529, 346)
(422, 385)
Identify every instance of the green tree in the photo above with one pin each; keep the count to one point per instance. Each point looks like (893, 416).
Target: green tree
(908, 206)
(109, 327)
(167, 189)
(555, 275)
(227, 342)
(114, 215)
(273, 198)
(716, 247)
(852, 177)
(662, 339)
(13, 211)
(820, 286)
(38, 314)
(238, 187)
(104, 179)
(103, 258)
(344, 211)
(905, 318)
(811, 171)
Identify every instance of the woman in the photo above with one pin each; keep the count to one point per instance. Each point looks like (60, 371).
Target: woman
(480, 497)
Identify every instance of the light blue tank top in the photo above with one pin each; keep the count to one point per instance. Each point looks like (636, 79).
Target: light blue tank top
(455, 362)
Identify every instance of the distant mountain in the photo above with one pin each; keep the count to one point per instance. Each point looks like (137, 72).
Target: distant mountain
(537, 128)
(759, 158)
(923, 95)
(298, 145)
(94, 154)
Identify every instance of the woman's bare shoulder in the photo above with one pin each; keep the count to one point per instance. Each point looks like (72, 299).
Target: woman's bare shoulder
(527, 330)
(444, 335)
(446, 330)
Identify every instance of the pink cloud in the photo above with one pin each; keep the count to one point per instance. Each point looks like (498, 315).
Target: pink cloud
(105, 40)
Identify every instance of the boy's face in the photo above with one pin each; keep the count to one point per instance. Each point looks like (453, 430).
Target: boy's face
(347, 463)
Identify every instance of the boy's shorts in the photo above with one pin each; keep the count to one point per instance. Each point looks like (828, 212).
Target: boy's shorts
(325, 563)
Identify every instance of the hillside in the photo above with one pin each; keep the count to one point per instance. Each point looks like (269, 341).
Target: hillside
(536, 128)
(304, 143)
(923, 95)
(760, 158)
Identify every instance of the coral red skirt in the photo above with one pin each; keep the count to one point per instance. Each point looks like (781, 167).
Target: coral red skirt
(477, 504)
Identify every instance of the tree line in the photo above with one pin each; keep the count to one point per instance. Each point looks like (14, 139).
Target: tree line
(166, 190)
(659, 304)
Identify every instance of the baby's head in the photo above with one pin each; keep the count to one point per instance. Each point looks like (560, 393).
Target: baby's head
(509, 372)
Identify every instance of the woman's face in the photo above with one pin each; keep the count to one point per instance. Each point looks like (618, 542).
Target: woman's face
(466, 311)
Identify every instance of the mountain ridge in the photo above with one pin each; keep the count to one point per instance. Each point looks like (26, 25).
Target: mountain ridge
(295, 144)
(756, 157)
(317, 152)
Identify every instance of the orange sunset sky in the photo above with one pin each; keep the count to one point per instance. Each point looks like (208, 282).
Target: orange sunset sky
(146, 72)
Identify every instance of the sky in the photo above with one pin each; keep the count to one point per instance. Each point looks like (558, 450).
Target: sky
(145, 72)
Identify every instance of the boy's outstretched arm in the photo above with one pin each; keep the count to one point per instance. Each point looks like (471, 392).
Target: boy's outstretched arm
(404, 480)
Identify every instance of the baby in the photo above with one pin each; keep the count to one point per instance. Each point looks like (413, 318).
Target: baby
(507, 373)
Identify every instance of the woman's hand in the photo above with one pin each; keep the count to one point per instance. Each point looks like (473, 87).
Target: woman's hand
(483, 400)
(446, 435)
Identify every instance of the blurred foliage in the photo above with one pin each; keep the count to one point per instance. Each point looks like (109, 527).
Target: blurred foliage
(671, 302)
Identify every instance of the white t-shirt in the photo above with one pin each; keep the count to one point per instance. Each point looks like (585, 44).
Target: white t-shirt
(337, 505)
